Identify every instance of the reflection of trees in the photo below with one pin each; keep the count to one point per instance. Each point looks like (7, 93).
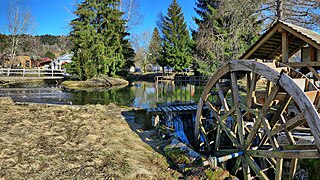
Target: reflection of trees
(122, 97)
(142, 94)
(170, 92)
(145, 94)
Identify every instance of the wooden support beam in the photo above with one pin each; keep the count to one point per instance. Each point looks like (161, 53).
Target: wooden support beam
(254, 166)
(286, 154)
(245, 169)
(291, 124)
(236, 101)
(293, 168)
(279, 168)
(222, 98)
(260, 43)
(285, 47)
(224, 127)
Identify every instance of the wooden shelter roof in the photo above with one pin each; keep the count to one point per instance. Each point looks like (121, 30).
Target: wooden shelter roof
(269, 45)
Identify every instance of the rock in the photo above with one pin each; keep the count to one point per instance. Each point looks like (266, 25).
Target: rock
(99, 82)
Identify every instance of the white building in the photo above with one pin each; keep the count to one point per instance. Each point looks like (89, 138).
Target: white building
(57, 63)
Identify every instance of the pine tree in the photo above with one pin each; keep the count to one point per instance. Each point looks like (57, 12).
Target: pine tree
(225, 32)
(176, 40)
(99, 38)
(155, 46)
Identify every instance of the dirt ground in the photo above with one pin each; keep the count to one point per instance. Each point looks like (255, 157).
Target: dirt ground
(64, 142)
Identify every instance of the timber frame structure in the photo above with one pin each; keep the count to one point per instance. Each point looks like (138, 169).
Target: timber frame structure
(283, 126)
(257, 113)
(282, 41)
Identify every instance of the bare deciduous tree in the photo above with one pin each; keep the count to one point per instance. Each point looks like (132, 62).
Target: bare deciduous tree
(141, 43)
(132, 15)
(305, 13)
(20, 22)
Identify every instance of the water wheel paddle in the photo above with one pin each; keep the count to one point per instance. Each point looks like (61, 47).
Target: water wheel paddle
(262, 111)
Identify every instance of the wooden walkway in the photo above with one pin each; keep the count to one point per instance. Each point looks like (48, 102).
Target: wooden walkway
(177, 109)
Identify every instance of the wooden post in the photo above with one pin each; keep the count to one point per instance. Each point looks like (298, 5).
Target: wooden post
(23, 72)
(285, 47)
(8, 72)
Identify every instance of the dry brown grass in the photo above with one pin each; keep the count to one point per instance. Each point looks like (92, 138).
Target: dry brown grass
(63, 142)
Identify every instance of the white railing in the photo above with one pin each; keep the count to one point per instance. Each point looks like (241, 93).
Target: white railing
(31, 72)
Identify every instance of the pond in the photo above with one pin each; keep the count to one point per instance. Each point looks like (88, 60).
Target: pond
(139, 94)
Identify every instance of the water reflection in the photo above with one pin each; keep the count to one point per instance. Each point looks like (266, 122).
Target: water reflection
(139, 94)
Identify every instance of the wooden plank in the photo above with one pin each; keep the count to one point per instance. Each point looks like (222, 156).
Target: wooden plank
(259, 44)
(301, 36)
(229, 133)
(222, 98)
(179, 108)
(218, 137)
(229, 113)
(305, 105)
(267, 128)
(236, 166)
(255, 168)
(286, 154)
(197, 124)
(289, 125)
(190, 108)
(298, 147)
(293, 168)
(303, 64)
(279, 168)
(236, 101)
(285, 47)
(174, 108)
(245, 169)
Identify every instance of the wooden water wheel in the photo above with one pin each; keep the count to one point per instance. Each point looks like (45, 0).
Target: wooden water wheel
(266, 111)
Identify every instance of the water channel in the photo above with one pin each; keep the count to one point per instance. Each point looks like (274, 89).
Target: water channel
(139, 94)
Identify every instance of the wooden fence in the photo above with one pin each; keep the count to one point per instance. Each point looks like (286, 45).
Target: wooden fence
(32, 73)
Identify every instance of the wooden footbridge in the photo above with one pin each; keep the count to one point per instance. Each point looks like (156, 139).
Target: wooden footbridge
(31, 74)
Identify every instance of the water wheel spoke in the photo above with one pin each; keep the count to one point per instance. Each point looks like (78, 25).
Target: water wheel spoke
(236, 100)
(236, 166)
(283, 105)
(270, 98)
(293, 168)
(245, 169)
(254, 166)
(288, 133)
(205, 137)
(291, 124)
(218, 137)
(222, 98)
(251, 88)
(252, 133)
(267, 128)
(279, 168)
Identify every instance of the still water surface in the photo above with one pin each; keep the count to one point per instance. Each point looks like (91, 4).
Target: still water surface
(140, 94)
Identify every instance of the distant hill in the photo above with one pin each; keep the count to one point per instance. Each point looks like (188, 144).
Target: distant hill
(36, 46)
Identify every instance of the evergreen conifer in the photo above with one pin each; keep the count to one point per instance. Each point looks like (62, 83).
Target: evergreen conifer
(99, 38)
(176, 44)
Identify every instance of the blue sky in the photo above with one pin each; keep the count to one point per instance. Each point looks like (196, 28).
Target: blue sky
(53, 16)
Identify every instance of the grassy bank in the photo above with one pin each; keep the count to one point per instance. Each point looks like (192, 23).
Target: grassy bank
(63, 142)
